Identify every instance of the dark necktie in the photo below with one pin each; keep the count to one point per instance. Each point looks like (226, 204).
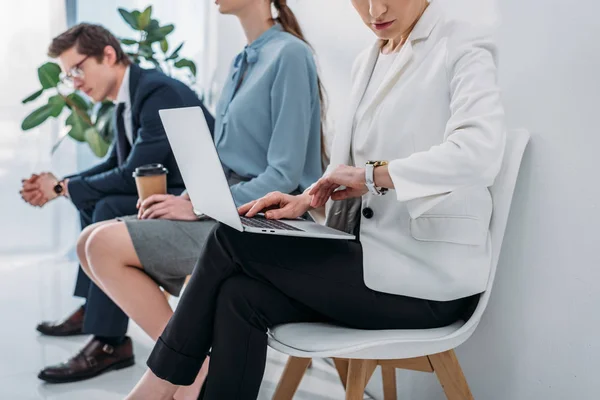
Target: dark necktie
(123, 146)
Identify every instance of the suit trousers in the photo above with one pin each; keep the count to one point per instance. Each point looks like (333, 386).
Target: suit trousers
(244, 284)
(102, 316)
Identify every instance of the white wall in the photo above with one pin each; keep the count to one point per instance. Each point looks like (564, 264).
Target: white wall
(539, 338)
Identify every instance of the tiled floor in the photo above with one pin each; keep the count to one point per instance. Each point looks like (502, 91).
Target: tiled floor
(35, 289)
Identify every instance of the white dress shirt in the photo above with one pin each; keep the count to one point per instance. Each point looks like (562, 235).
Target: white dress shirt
(124, 96)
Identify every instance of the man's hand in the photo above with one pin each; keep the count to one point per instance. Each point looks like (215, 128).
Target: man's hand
(279, 206)
(166, 206)
(352, 178)
(39, 189)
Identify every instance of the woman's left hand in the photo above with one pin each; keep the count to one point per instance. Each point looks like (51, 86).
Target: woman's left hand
(166, 206)
(353, 178)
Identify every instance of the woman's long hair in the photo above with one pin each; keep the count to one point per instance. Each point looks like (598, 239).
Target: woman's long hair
(289, 23)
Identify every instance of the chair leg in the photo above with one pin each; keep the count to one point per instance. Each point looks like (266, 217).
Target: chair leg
(450, 375)
(359, 373)
(291, 377)
(388, 375)
(342, 368)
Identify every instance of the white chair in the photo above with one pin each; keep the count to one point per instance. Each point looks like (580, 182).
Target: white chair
(357, 353)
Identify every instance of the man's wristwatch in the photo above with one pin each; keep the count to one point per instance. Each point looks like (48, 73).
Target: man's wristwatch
(370, 179)
(59, 188)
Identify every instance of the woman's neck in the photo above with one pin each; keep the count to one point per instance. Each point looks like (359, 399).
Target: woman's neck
(394, 45)
(256, 21)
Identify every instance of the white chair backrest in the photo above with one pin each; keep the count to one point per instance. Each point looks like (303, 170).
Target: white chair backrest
(502, 194)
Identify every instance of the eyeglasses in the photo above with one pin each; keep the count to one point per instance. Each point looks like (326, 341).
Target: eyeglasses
(74, 73)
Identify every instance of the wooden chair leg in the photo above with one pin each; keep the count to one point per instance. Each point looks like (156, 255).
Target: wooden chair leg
(342, 368)
(291, 377)
(359, 373)
(388, 375)
(450, 375)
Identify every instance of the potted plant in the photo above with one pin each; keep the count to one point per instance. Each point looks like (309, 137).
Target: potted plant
(93, 123)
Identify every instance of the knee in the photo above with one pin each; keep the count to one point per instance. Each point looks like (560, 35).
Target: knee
(98, 248)
(112, 207)
(225, 236)
(82, 244)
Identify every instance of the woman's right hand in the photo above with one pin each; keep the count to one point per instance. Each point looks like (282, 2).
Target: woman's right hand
(279, 206)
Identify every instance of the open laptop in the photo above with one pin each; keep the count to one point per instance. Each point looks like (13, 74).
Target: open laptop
(207, 185)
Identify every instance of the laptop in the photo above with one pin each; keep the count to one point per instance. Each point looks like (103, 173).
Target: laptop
(205, 180)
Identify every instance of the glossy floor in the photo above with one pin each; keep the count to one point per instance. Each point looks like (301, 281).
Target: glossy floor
(35, 289)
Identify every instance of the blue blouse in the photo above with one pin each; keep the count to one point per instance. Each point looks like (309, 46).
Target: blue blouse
(269, 129)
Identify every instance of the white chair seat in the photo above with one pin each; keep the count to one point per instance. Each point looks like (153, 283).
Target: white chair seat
(325, 340)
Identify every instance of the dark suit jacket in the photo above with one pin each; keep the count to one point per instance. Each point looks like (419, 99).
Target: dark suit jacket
(150, 91)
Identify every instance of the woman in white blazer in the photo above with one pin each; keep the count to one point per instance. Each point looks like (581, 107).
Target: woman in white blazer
(410, 173)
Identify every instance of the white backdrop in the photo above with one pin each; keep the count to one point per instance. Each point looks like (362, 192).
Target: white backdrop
(25, 230)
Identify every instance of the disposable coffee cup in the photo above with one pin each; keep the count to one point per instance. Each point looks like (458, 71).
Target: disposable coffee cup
(150, 179)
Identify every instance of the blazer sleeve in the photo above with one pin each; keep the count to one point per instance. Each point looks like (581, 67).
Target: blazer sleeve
(472, 151)
(151, 146)
(294, 96)
(105, 165)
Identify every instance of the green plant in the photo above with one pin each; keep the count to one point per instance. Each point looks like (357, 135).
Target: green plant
(93, 123)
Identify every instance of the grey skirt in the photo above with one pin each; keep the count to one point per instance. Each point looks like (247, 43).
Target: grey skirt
(168, 250)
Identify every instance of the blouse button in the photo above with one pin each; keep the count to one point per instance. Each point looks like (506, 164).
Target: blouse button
(367, 213)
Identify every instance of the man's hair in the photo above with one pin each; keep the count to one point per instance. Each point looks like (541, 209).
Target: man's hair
(89, 40)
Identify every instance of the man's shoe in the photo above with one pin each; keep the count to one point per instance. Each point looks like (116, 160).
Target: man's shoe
(95, 359)
(71, 326)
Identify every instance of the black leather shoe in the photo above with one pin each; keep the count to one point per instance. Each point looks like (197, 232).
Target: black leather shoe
(95, 359)
(71, 326)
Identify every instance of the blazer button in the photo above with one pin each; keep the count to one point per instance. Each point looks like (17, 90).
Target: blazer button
(367, 213)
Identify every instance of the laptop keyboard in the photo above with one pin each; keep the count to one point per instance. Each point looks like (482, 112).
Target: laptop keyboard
(267, 224)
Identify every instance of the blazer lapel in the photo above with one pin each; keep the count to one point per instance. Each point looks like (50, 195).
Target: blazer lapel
(406, 55)
(135, 73)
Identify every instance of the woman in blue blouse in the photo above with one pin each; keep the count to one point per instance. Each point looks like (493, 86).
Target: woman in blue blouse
(268, 136)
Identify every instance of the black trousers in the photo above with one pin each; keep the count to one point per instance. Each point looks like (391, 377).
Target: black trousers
(102, 316)
(246, 283)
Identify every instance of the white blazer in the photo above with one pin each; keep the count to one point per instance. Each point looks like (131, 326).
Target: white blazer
(439, 120)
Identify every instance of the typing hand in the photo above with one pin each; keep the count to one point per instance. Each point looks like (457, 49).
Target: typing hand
(279, 206)
(166, 206)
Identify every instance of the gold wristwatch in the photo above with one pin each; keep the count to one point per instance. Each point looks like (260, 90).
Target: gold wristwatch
(370, 177)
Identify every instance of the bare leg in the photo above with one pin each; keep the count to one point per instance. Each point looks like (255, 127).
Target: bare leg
(82, 243)
(150, 387)
(114, 263)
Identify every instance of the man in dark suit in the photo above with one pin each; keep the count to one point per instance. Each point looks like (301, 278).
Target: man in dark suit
(94, 63)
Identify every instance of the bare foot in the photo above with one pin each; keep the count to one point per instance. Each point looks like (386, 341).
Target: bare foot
(193, 391)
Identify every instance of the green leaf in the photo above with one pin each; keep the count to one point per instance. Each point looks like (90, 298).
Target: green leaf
(37, 117)
(175, 52)
(164, 45)
(97, 144)
(159, 34)
(154, 25)
(79, 101)
(185, 63)
(129, 18)
(33, 96)
(129, 42)
(144, 18)
(58, 103)
(49, 75)
(104, 117)
(145, 51)
(78, 126)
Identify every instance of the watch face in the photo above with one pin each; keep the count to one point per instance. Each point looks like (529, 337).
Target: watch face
(58, 188)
